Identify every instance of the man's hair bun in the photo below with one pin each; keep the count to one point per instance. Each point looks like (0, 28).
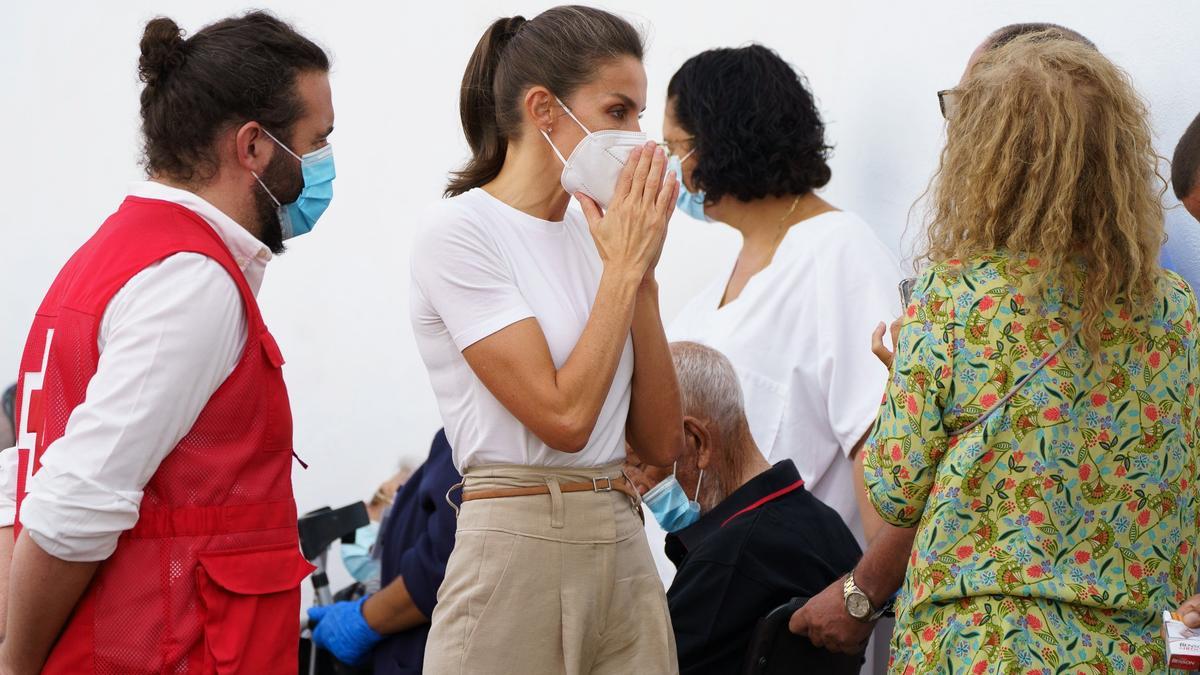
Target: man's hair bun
(162, 50)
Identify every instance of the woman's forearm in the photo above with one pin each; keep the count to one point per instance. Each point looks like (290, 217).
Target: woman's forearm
(560, 404)
(655, 412)
(881, 571)
(586, 377)
(871, 522)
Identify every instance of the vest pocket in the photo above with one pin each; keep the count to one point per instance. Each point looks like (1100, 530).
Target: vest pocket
(278, 413)
(251, 608)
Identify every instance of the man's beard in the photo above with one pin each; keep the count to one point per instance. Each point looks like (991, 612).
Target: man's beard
(285, 183)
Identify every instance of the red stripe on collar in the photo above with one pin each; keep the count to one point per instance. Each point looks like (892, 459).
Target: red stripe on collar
(771, 497)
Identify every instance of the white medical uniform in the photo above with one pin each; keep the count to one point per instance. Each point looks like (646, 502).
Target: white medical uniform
(799, 336)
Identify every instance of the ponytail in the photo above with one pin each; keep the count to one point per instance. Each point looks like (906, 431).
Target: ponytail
(477, 107)
(559, 49)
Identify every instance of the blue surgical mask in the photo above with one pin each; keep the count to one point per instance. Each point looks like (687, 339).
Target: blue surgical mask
(300, 216)
(691, 203)
(670, 504)
(357, 556)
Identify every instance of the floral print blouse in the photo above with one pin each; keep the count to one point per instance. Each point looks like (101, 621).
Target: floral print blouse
(1050, 537)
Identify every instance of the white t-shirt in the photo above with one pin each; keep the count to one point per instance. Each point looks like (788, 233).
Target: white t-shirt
(479, 265)
(799, 336)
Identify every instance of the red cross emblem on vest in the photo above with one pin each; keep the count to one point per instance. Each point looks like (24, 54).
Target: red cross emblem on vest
(30, 426)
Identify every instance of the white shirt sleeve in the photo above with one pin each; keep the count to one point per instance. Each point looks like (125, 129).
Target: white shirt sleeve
(460, 272)
(859, 280)
(8, 487)
(167, 340)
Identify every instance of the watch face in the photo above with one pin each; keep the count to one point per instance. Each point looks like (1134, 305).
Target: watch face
(858, 605)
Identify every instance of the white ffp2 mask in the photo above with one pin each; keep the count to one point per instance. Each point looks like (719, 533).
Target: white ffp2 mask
(595, 164)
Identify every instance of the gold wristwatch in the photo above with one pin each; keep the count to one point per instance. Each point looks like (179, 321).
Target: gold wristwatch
(858, 605)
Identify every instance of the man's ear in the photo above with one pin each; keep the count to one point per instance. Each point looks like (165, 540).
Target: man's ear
(697, 435)
(252, 147)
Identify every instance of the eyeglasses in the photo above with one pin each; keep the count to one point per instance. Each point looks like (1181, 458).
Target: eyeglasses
(948, 102)
(667, 145)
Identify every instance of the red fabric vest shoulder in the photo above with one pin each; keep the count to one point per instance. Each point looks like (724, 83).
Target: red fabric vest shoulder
(208, 580)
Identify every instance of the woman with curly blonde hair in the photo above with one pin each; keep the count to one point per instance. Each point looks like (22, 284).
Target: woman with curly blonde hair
(1039, 425)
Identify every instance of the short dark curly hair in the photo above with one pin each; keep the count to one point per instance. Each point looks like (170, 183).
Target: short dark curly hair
(755, 125)
(1185, 165)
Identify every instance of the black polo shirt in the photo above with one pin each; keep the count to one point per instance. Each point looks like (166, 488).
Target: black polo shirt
(768, 542)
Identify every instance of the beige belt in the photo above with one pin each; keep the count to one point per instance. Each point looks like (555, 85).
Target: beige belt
(602, 484)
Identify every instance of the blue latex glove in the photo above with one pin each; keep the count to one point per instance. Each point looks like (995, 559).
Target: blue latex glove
(342, 630)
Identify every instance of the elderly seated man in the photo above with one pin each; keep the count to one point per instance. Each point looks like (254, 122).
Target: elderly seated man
(745, 536)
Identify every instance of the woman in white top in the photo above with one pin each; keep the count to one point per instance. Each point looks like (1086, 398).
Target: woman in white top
(540, 329)
(794, 309)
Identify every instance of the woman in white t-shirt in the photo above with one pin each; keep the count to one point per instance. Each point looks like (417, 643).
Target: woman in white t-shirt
(795, 308)
(540, 329)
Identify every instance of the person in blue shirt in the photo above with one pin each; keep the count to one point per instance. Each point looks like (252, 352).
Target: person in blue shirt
(415, 541)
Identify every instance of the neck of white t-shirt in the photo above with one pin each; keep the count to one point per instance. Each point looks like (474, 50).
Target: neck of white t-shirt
(764, 222)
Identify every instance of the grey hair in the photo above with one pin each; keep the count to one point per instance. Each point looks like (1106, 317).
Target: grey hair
(709, 388)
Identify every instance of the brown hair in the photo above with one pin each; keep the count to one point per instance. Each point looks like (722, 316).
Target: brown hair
(1185, 163)
(1049, 152)
(234, 71)
(559, 49)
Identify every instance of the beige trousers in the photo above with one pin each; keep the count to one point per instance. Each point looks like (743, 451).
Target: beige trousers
(550, 584)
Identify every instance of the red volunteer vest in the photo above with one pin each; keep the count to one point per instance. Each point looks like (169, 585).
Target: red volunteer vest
(208, 580)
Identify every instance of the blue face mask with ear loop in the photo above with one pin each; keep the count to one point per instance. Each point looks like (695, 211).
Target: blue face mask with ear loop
(358, 557)
(691, 203)
(670, 504)
(300, 216)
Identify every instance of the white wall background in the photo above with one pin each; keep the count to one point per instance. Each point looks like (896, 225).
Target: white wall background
(338, 300)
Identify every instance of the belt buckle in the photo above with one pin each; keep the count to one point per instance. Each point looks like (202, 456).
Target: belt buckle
(596, 484)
